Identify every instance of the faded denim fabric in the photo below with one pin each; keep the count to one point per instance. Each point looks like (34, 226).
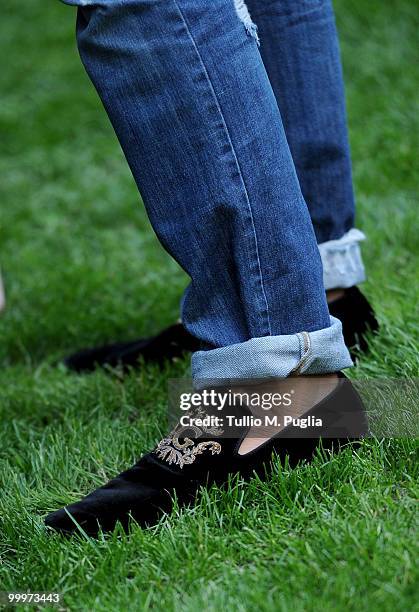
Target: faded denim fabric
(187, 92)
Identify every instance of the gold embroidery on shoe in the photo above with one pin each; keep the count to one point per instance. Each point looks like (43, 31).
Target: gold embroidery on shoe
(170, 449)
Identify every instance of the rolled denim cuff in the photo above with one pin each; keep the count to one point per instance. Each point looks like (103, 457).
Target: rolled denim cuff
(342, 261)
(319, 352)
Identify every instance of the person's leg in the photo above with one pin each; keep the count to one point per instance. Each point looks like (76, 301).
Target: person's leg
(300, 51)
(187, 93)
(191, 131)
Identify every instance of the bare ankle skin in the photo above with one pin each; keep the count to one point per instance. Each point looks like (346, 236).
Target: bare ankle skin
(334, 294)
(305, 392)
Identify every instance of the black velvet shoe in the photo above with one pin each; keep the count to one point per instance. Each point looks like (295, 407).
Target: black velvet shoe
(357, 317)
(182, 463)
(172, 342)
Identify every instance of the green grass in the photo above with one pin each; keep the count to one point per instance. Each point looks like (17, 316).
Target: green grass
(82, 266)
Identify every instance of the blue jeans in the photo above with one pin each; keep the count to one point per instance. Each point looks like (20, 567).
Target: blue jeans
(300, 51)
(190, 100)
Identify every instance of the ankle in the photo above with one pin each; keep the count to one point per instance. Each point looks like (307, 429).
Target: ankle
(302, 393)
(334, 294)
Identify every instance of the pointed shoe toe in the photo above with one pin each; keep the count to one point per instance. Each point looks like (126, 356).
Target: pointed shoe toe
(71, 520)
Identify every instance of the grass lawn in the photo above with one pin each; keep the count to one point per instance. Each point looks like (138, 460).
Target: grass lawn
(82, 266)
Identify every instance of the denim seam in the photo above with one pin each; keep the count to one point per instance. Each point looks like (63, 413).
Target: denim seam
(230, 142)
(305, 351)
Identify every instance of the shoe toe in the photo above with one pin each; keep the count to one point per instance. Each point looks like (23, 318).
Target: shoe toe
(68, 520)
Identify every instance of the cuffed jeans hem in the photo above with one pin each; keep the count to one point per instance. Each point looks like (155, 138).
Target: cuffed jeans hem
(319, 352)
(342, 261)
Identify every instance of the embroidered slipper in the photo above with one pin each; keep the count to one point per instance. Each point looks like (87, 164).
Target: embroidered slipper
(182, 463)
(170, 343)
